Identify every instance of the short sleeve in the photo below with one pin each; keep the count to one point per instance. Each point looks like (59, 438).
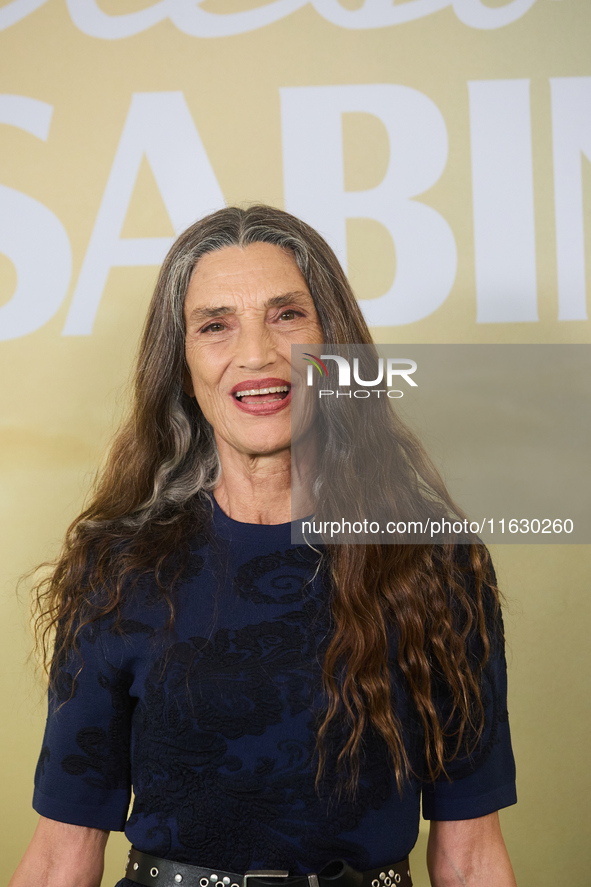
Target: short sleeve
(484, 781)
(83, 773)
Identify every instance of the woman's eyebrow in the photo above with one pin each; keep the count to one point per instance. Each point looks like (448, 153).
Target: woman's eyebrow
(207, 311)
(287, 299)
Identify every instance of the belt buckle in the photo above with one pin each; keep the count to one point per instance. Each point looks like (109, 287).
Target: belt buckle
(276, 873)
(264, 873)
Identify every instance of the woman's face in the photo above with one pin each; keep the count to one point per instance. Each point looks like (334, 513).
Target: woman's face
(244, 309)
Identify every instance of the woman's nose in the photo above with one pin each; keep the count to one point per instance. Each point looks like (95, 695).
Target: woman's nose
(255, 345)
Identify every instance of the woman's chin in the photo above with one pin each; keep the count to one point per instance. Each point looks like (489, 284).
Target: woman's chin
(260, 445)
(281, 448)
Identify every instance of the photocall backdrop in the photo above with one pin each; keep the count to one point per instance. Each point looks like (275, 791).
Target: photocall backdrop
(441, 146)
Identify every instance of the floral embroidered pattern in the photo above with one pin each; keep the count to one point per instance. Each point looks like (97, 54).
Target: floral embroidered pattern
(219, 736)
(249, 574)
(106, 752)
(200, 771)
(198, 767)
(43, 759)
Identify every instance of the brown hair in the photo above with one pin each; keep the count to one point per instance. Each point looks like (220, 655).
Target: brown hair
(152, 497)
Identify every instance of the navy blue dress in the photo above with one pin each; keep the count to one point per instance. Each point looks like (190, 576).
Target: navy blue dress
(213, 724)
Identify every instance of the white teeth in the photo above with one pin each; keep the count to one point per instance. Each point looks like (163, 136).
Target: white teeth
(253, 391)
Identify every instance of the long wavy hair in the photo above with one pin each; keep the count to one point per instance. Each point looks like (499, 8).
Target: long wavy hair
(153, 496)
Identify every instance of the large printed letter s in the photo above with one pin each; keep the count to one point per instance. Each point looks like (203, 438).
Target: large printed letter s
(31, 236)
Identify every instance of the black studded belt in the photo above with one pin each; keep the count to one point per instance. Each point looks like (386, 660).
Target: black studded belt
(150, 871)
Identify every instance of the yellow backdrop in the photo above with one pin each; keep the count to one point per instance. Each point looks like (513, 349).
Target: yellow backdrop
(442, 147)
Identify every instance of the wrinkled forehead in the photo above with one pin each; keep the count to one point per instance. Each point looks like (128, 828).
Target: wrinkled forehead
(255, 273)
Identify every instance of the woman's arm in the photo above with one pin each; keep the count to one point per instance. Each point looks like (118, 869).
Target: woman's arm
(469, 853)
(62, 855)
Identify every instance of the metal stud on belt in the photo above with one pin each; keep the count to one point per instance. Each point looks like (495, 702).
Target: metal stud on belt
(388, 879)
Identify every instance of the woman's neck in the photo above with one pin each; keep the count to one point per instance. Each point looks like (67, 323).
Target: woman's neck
(263, 489)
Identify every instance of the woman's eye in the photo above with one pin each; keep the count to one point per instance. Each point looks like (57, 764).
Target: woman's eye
(213, 327)
(289, 314)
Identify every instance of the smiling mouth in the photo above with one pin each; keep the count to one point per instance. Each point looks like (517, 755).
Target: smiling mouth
(262, 395)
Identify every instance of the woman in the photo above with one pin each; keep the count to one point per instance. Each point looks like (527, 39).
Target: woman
(275, 706)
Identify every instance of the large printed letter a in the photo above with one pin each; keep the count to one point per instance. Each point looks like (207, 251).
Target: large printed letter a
(159, 125)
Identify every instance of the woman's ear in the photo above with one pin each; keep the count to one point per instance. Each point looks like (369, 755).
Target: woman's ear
(188, 382)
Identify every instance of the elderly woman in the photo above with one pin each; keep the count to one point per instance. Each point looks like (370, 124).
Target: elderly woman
(278, 709)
